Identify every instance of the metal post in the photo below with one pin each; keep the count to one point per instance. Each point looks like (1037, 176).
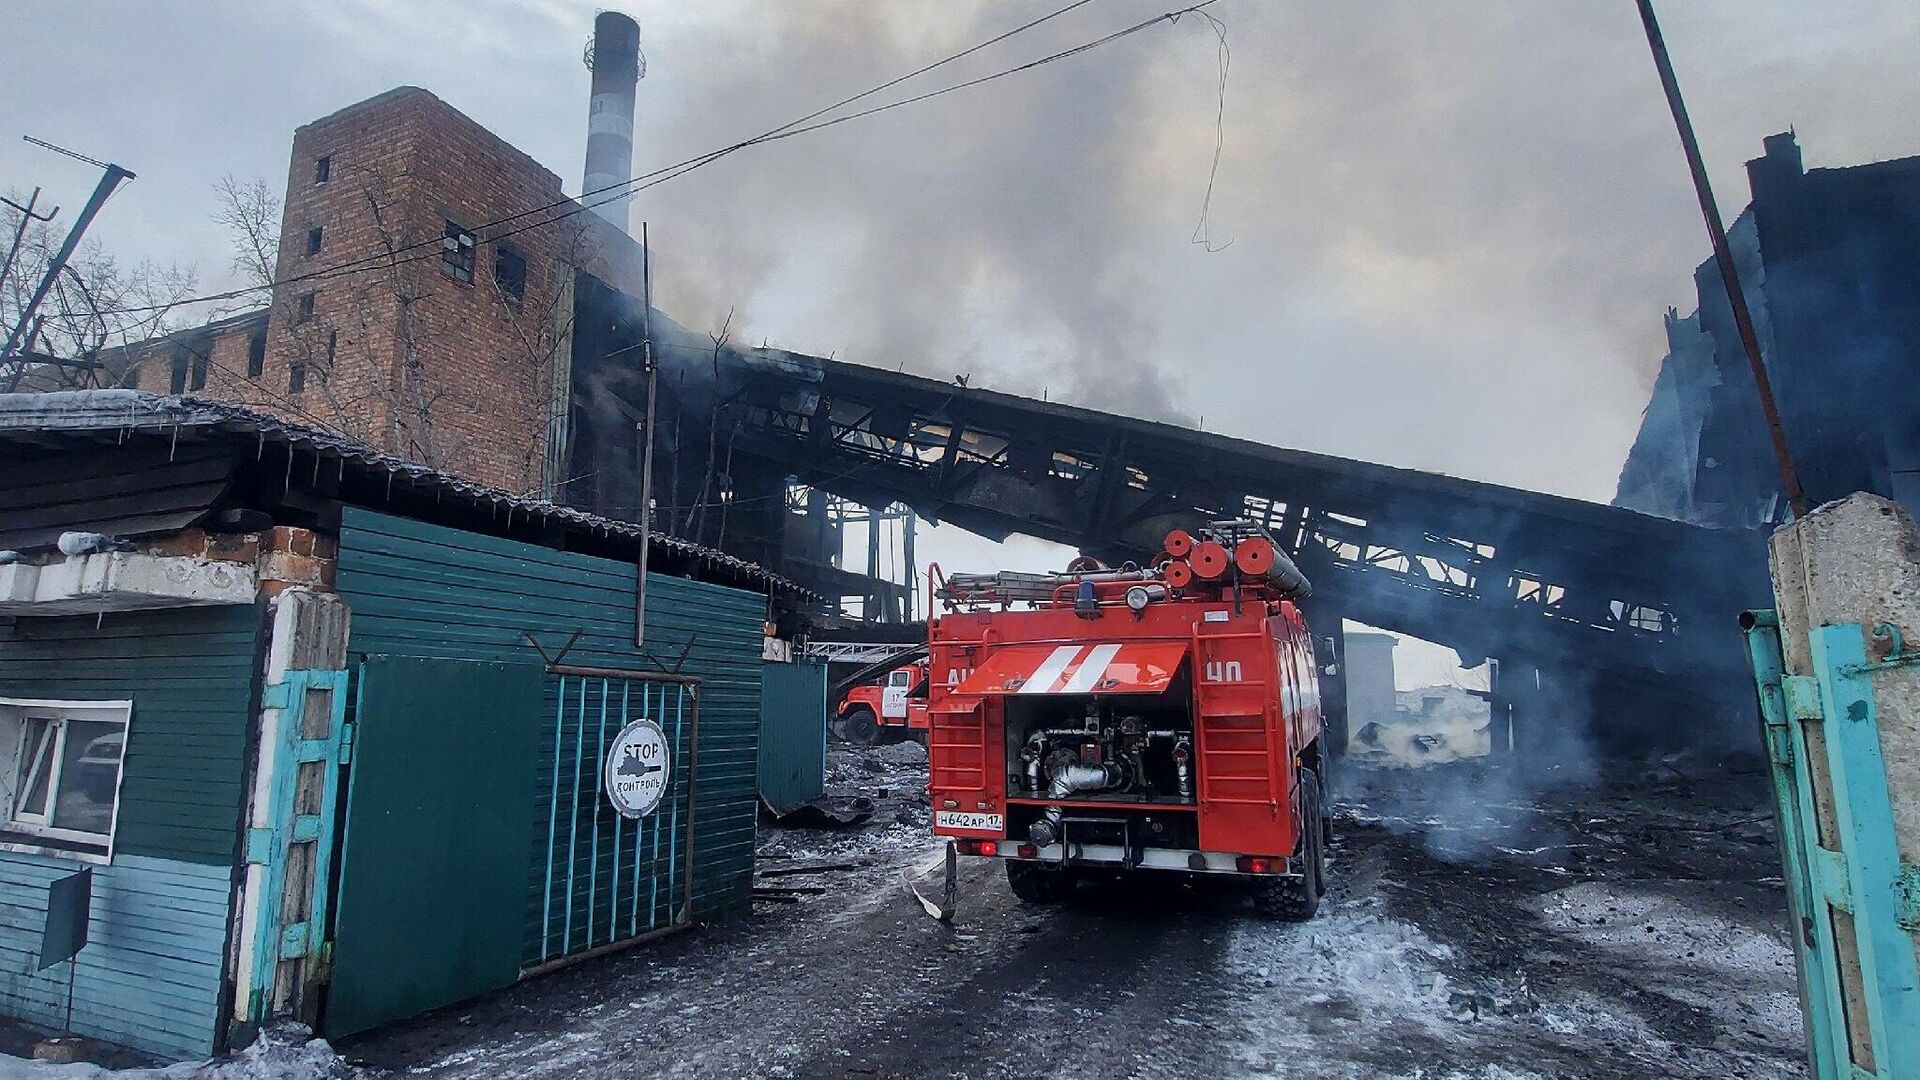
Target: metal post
(27, 217)
(875, 594)
(906, 556)
(1723, 255)
(111, 179)
(646, 456)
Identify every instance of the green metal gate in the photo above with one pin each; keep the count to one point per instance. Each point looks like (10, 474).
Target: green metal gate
(442, 782)
(793, 734)
(599, 879)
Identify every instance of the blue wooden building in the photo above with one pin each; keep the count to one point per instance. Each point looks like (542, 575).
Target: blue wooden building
(338, 736)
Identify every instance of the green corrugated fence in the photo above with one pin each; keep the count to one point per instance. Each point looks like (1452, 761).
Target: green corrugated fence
(424, 590)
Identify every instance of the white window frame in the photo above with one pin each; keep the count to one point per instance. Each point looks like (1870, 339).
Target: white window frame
(24, 832)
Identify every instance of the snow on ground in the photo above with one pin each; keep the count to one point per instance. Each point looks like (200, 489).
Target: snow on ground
(1343, 976)
(1502, 937)
(281, 1053)
(1744, 977)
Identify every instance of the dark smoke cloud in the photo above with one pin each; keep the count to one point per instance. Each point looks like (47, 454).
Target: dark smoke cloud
(1455, 226)
(985, 234)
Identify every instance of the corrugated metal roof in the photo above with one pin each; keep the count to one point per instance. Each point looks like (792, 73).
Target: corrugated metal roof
(81, 412)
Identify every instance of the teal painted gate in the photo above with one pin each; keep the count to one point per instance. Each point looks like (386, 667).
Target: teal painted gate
(1853, 901)
(442, 784)
(295, 851)
(601, 879)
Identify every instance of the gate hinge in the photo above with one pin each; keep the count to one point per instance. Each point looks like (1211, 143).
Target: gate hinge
(1831, 882)
(346, 743)
(260, 846)
(1802, 693)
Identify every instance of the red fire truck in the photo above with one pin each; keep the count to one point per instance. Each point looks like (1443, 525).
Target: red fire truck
(1103, 722)
(889, 711)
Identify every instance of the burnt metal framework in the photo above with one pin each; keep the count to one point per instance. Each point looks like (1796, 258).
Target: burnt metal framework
(1605, 604)
(885, 585)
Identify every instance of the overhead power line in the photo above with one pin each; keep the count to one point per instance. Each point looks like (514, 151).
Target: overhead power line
(627, 188)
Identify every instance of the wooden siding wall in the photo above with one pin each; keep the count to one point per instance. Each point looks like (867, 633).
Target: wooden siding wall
(150, 977)
(423, 590)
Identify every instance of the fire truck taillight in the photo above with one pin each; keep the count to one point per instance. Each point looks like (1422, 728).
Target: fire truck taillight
(1254, 864)
(988, 847)
(1026, 851)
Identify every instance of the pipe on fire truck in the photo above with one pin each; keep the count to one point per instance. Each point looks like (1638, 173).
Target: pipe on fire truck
(1179, 543)
(1279, 570)
(1209, 560)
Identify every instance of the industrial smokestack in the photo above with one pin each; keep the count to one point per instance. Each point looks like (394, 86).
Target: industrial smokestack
(614, 57)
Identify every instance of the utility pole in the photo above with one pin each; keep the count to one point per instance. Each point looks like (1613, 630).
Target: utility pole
(1723, 255)
(646, 455)
(110, 180)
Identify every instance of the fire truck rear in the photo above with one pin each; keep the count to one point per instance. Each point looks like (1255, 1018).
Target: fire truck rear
(1114, 721)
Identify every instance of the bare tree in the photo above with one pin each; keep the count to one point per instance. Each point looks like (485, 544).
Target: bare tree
(539, 317)
(250, 212)
(697, 513)
(98, 308)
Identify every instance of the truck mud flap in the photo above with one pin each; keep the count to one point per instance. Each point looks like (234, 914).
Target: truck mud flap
(916, 880)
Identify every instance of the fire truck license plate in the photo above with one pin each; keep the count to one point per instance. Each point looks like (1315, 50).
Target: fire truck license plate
(962, 819)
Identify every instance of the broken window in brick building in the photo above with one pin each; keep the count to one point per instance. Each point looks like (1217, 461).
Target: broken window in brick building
(322, 169)
(306, 308)
(510, 273)
(296, 377)
(256, 355)
(456, 254)
(178, 383)
(199, 378)
(313, 240)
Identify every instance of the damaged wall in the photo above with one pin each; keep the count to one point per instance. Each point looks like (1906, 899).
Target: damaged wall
(1830, 262)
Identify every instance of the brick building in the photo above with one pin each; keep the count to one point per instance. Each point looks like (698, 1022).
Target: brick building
(404, 318)
(438, 300)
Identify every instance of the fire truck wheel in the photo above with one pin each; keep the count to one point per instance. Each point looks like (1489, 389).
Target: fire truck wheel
(862, 728)
(1035, 884)
(1296, 899)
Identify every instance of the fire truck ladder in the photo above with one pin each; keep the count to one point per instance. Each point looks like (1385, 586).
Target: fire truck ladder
(1233, 731)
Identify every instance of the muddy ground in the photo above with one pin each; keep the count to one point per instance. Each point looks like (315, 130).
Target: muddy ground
(1476, 927)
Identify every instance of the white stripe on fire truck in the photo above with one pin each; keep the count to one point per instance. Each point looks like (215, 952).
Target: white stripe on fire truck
(1091, 670)
(1048, 672)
